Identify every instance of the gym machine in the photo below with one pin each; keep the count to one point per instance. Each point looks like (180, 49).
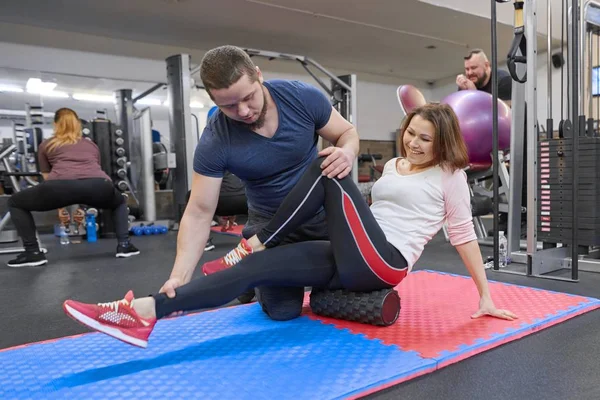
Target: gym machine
(138, 161)
(19, 160)
(113, 144)
(179, 84)
(563, 232)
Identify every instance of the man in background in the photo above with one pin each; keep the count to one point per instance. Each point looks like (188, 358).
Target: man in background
(478, 76)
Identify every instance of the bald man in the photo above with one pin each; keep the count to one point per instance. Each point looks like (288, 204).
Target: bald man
(478, 76)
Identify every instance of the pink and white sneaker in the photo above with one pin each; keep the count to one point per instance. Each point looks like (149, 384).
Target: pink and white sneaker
(117, 319)
(242, 250)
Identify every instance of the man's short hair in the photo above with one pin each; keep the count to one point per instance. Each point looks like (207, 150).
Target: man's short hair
(476, 51)
(223, 66)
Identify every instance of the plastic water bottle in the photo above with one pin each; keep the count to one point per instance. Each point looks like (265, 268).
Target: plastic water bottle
(64, 236)
(502, 250)
(90, 228)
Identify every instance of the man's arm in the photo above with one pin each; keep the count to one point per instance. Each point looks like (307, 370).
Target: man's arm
(194, 228)
(343, 135)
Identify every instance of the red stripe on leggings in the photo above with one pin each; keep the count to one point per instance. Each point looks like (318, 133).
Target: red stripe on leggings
(378, 265)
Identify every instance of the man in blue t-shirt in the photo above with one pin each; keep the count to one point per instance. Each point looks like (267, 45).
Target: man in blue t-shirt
(266, 134)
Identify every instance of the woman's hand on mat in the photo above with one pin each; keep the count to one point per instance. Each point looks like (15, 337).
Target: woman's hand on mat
(487, 307)
(338, 163)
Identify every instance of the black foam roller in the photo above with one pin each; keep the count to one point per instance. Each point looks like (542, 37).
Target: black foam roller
(379, 307)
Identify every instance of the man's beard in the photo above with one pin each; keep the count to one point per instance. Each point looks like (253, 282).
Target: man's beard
(261, 117)
(480, 82)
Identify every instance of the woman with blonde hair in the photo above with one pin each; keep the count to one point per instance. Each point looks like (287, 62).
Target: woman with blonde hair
(70, 165)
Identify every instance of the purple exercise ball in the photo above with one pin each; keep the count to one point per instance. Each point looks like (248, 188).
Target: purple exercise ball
(474, 111)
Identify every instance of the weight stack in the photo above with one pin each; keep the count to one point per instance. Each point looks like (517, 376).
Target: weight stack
(555, 196)
(113, 158)
(380, 307)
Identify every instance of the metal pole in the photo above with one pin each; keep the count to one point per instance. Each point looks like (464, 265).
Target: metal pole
(147, 172)
(149, 91)
(301, 59)
(27, 115)
(16, 127)
(588, 43)
(180, 123)
(326, 72)
(495, 133)
(577, 30)
(29, 126)
(532, 129)
(579, 36)
(549, 59)
(124, 109)
(517, 152)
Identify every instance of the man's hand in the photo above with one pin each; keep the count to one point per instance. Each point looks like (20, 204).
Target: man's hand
(464, 83)
(338, 163)
(487, 307)
(169, 287)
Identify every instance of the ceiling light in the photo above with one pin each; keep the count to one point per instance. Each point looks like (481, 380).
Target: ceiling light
(35, 85)
(60, 95)
(193, 104)
(98, 98)
(148, 102)
(23, 113)
(10, 88)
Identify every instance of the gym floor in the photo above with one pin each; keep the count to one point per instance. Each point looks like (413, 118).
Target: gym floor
(560, 362)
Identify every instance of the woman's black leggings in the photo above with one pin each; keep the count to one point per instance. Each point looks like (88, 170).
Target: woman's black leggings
(358, 256)
(53, 194)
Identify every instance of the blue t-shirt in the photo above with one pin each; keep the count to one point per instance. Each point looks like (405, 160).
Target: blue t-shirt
(270, 167)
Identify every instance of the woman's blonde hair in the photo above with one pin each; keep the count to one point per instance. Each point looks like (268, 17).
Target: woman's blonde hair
(67, 129)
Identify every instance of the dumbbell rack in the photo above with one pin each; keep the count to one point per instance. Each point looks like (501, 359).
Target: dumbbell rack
(555, 222)
(114, 151)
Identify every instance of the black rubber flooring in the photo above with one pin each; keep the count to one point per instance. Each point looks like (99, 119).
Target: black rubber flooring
(562, 362)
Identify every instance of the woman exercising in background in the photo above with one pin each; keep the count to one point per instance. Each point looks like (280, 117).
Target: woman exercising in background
(370, 248)
(70, 165)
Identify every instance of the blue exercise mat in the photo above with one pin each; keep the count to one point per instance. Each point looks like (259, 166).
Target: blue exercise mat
(232, 353)
(239, 353)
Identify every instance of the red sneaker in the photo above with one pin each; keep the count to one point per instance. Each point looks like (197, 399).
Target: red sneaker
(117, 319)
(229, 260)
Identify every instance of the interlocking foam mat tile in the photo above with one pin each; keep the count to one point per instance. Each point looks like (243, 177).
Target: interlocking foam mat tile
(238, 353)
